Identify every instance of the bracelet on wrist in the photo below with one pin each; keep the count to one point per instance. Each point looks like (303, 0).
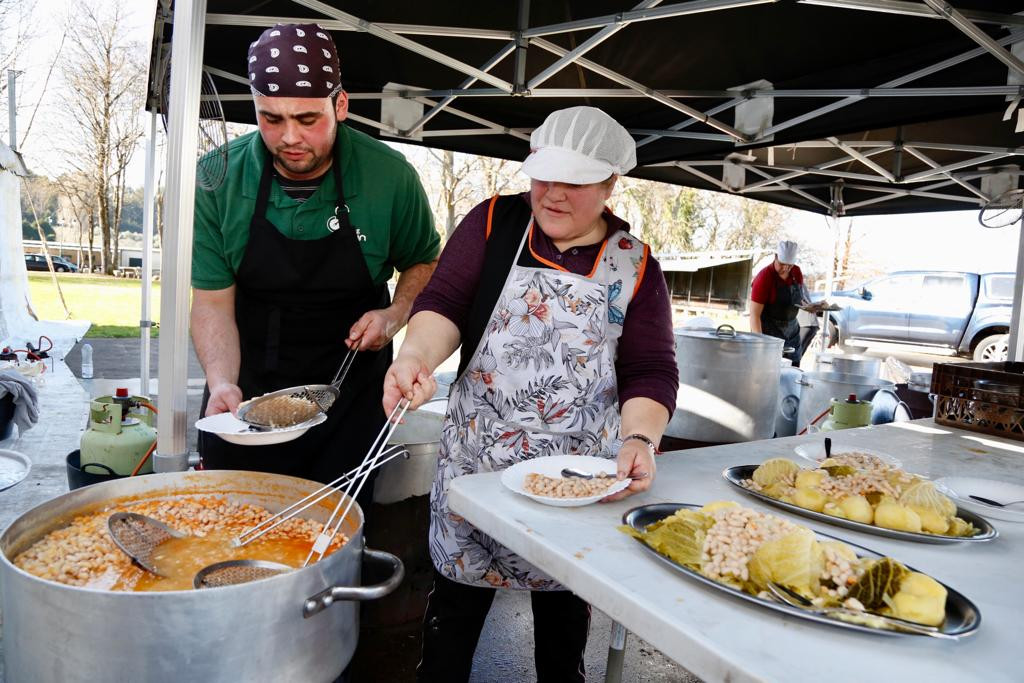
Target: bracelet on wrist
(645, 439)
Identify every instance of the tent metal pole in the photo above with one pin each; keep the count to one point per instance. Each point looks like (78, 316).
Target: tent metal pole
(786, 187)
(700, 174)
(953, 16)
(628, 93)
(449, 98)
(795, 174)
(639, 87)
(148, 219)
(522, 47)
(266, 21)
(477, 119)
(917, 10)
(934, 164)
(401, 41)
(642, 14)
(955, 167)
(689, 122)
(1016, 341)
(176, 267)
(913, 76)
(586, 46)
(862, 159)
(950, 147)
(714, 137)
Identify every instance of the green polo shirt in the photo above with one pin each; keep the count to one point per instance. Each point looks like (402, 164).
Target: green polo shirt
(384, 195)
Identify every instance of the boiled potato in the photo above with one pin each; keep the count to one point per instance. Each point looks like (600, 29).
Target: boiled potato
(812, 499)
(809, 479)
(833, 508)
(921, 599)
(858, 509)
(898, 517)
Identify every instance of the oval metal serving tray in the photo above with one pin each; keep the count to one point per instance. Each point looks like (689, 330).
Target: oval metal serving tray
(962, 616)
(739, 473)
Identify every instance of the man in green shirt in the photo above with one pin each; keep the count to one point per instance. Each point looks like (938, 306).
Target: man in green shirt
(292, 254)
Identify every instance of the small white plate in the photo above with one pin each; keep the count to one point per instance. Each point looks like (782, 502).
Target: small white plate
(814, 453)
(233, 430)
(14, 467)
(514, 477)
(961, 488)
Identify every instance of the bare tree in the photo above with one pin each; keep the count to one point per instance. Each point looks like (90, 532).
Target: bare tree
(105, 91)
(79, 189)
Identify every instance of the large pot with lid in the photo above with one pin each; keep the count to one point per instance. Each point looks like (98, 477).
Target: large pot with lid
(819, 388)
(301, 625)
(728, 385)
(849, 364)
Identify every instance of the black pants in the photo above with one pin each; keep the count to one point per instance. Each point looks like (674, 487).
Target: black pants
(455, 616)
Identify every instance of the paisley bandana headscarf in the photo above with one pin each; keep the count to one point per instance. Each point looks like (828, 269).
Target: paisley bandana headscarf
(294, 60)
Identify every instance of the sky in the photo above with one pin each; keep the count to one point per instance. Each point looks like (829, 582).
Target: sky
(946, 240)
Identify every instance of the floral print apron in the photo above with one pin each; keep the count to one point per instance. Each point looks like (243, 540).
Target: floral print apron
(541, 382)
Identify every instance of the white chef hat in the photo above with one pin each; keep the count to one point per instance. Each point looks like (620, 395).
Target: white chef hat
(579, 145)
(787, 252)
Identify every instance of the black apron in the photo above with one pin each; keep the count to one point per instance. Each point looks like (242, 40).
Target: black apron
(778, 319)
(295, 302)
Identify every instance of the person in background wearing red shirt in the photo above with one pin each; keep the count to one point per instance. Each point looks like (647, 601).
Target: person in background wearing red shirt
(775, 298)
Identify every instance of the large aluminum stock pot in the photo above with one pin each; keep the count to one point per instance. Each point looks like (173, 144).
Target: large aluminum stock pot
(728, 385)
(298, 626)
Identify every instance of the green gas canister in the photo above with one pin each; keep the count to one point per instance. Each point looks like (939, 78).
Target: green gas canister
(120, 433)
(847, 413)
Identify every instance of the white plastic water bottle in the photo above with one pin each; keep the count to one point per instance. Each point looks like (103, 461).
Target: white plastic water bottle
(87, 361)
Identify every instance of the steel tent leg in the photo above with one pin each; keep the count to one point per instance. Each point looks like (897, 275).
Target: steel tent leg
(616, 653)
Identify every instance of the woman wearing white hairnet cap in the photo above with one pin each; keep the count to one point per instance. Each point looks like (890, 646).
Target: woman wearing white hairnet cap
(564, 322)
(776, 295)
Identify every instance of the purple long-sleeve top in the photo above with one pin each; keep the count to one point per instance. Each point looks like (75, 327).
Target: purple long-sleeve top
(645, 363)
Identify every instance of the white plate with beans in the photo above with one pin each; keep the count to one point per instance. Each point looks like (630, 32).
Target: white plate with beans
(541, 479)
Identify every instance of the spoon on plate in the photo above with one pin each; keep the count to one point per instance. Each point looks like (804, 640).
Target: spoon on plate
(568, 472)
(992, 503)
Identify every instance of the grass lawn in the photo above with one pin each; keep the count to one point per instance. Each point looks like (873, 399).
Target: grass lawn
(112, 305)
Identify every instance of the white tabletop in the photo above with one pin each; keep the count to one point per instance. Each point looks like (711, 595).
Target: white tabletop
(719, 637)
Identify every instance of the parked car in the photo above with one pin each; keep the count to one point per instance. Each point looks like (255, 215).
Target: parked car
(967, 312)
(60, 264)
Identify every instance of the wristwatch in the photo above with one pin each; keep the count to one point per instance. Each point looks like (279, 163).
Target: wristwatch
(646, 439)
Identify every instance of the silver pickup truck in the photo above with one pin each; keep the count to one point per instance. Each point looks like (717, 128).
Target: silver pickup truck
(967, 312)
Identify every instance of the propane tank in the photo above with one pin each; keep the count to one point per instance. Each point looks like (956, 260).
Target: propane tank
(120, 433)
(848, 413)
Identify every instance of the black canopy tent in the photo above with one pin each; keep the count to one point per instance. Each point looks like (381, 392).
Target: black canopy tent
(676, 75)
(874, 106)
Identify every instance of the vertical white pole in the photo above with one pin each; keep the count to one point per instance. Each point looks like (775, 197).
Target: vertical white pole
(1016, 350)
(148, 217)
(833, 224)
(12, 109)
(176, 268)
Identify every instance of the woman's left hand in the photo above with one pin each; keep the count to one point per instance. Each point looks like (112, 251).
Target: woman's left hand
(635, 461)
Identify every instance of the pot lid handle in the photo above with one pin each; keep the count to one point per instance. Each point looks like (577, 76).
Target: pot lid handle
(725, 331)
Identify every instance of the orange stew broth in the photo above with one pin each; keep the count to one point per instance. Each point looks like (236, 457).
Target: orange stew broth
(83, 554)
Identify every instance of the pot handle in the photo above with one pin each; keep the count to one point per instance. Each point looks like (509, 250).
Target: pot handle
(802, 382)
(725, 331)
(326, 598)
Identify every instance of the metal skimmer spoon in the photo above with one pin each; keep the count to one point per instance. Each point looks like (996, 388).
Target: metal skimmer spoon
(138, 536)
(794, 599)
(993, 503)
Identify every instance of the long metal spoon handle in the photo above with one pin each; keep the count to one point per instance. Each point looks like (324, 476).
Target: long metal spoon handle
(346, 365)
(329, 488)
(315, 497)
(323, 540)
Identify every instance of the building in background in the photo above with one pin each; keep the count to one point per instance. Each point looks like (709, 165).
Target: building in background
(710, 282)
